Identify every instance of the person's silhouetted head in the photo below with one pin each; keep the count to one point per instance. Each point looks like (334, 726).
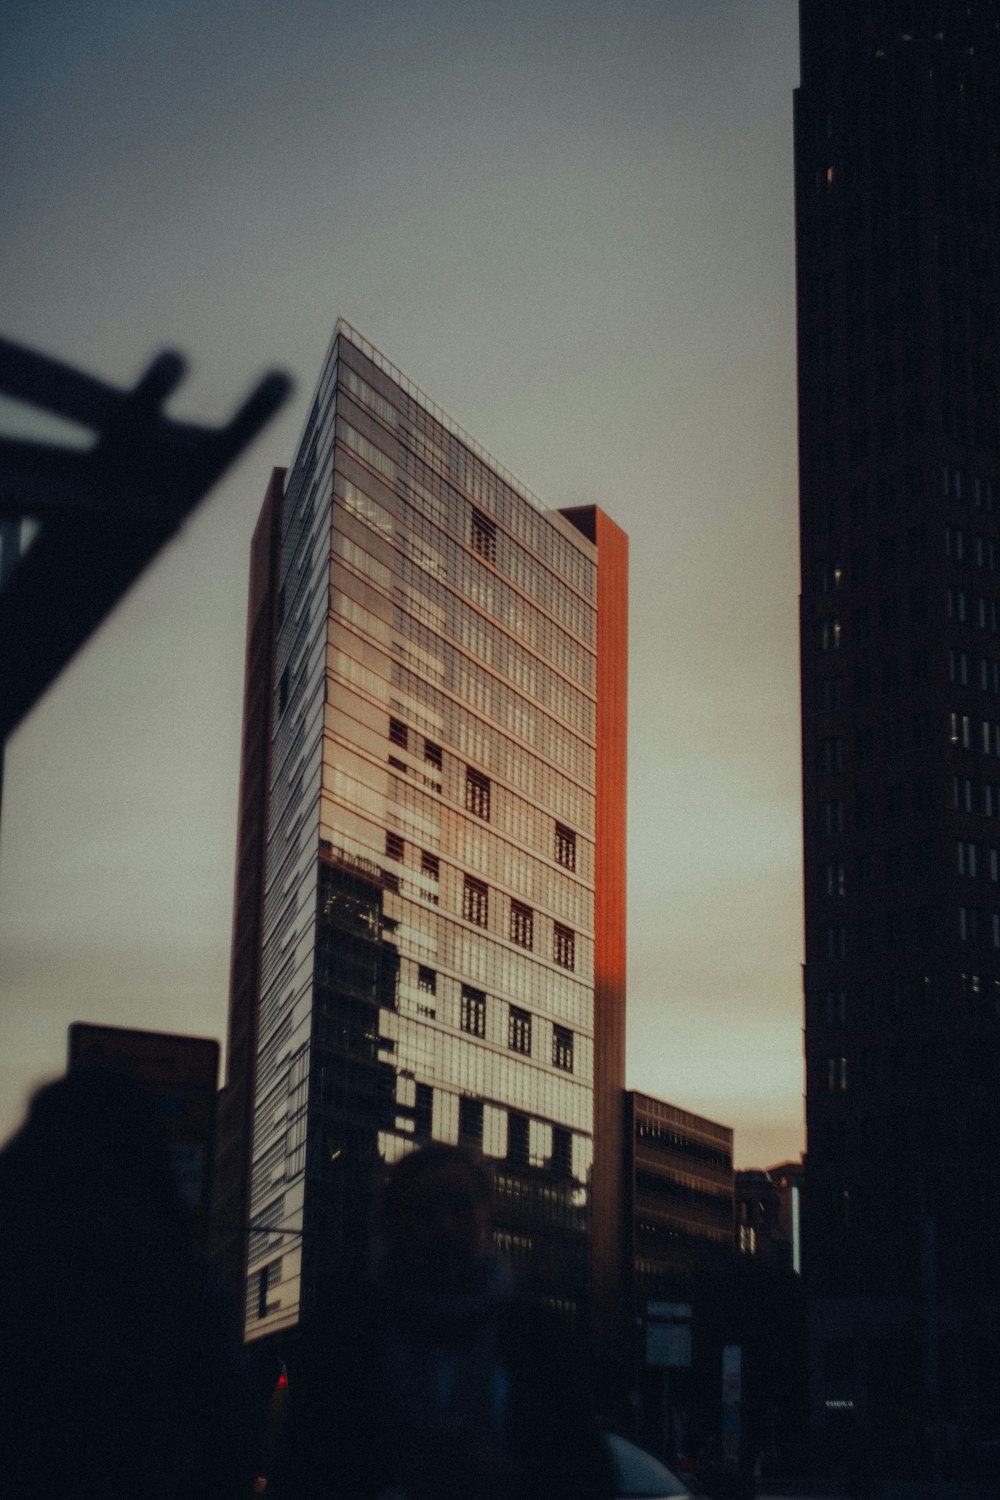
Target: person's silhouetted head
(435, 1216)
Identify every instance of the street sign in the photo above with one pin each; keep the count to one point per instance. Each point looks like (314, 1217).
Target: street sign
(668, 1335)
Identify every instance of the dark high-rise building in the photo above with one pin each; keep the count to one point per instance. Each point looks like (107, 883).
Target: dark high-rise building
(433, 947)
(897, 140)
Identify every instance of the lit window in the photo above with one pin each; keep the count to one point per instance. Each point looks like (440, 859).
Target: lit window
(476, 902)
(483, 536)
(836, 1074)
(564, 946)
(522, 924)
(565, 847)
(519, 1030)
(562, 1048)
(398, 733)
(477, 793)
(473, 1011)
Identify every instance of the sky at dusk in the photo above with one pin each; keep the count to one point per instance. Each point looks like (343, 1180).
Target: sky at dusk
(570, 223)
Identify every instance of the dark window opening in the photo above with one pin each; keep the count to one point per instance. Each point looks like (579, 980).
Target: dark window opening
(522, 924)
(564, 946)
(395, 845)
(562, 1048)
(470, 1121)
(423, 1113)
(565, 846)
(484, 536)
(519, 1030)
(476, 902)
(477, 794)
(517, 1139)
(432, 754)
(430, 865)
(427, 980)
(473, 1011)
(562, 1150)
(398, 733)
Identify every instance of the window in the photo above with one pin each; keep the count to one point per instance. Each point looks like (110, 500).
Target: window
(565, 847)
(519, 1030)
(432, 754)
(564, 946)
(836, 1074)
(427, 980)
(473, 1011)
(470, 1121)
(831, 754)
(829, 635)
(834, 879)
(423, 1109)
(484, 536)
(522, 924)
(477, 794)
(430, 865)
(476, 902)
(836, 1007)
(517, 1139)
(395, 845)
(562, 1150)
(562, 1048)
(282, 702)
(833, 817)
(398, 733)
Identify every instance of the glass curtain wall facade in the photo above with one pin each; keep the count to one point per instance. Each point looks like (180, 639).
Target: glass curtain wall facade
(897, 130)
(428, 937)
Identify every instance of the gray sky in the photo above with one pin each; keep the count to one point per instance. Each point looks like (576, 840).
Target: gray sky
(570, 222)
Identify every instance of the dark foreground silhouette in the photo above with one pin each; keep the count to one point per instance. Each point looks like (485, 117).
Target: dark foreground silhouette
(435, 1378)
(122, 1373)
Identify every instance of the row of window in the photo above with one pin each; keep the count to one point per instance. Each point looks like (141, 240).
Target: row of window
(971, 796)
(972, 547)
(895, 1000)
(514, 815)
(876, 934)
(425, 436)
(978, 927)
(444, 579)
(874, 868)
(517, 691)
(978, 861)
(884, 804)
(830, 631)
(471, 1119)
(976, 610)
(976, 672)
(974, 734)
(476, 909)
(473, 1020)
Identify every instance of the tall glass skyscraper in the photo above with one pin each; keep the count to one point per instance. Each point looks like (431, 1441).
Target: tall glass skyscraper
(897, 137)
(435, 886)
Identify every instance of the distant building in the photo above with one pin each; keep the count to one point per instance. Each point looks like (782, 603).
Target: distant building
(429, 934)
(768, 1214)
(679, 1202)
(897, 193)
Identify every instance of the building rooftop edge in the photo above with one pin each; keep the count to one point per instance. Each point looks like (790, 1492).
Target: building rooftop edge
(386, 365)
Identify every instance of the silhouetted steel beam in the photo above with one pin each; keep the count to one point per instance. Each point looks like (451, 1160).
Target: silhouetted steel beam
(104, 511)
